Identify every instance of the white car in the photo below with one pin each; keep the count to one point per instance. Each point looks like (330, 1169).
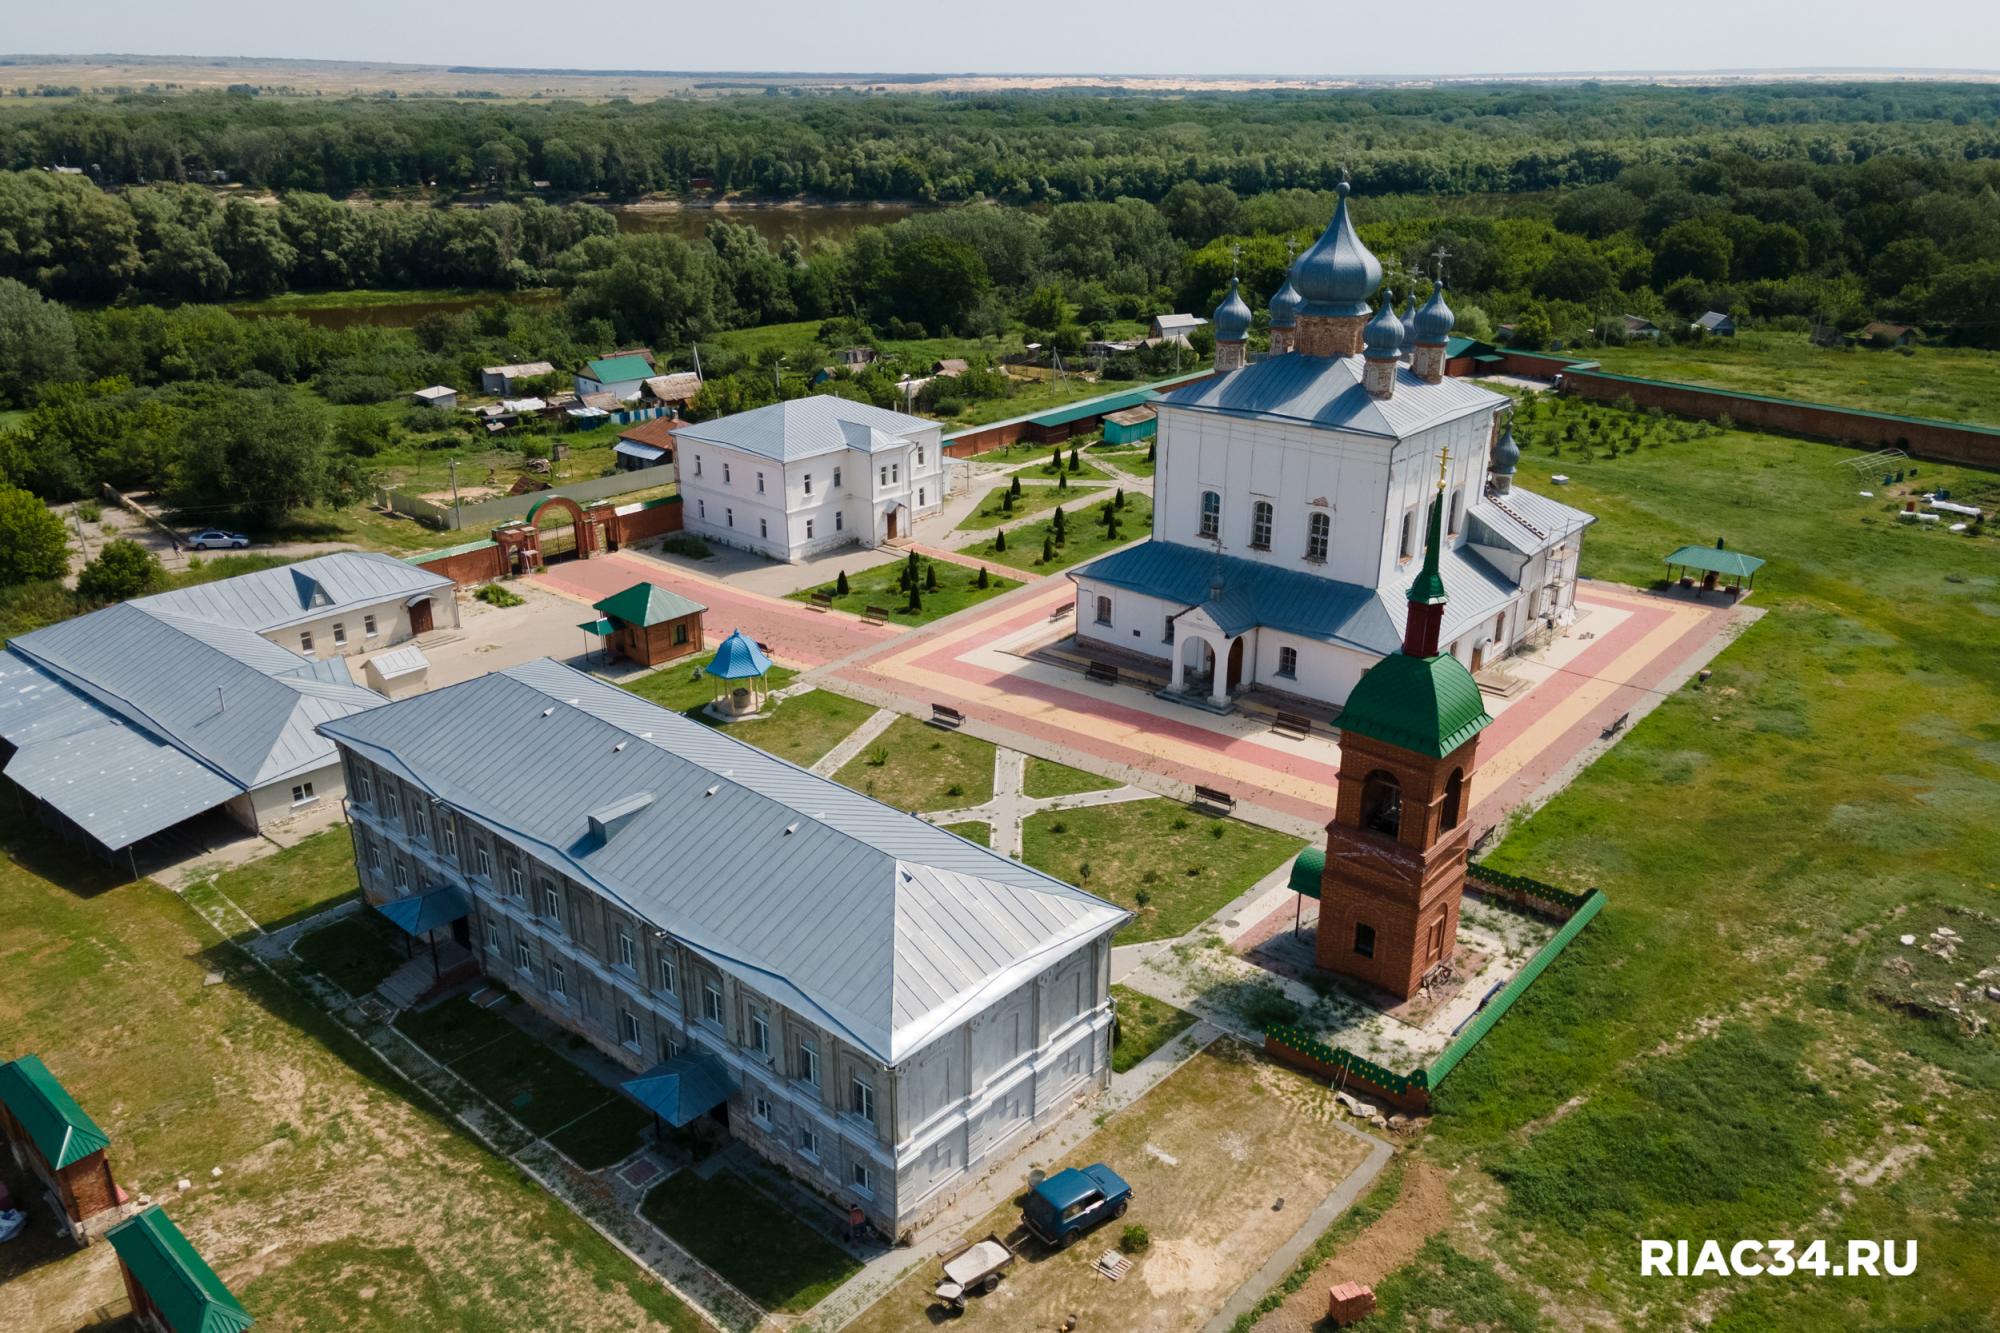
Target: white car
(215, 539)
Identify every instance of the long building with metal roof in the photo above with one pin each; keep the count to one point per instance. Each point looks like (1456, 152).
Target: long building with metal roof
(886, 1004)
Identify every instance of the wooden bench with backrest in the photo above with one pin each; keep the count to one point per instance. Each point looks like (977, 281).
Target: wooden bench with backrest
(1102, 672)
(944, 715)
(822, 601)
(1293, 725)
(1214, 798)
(874, 615)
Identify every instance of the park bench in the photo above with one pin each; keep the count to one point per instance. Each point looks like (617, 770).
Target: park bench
(822, 601)
(1292, 725)
(1062, 610)
(1215, 799)
(1101, 672)
(944, 715)
(874, 615)
(1616, 727)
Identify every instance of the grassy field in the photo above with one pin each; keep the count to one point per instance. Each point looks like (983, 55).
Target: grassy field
(1045, 777)
(337, 1191)
(1086, 537)
(299, 881)
(958, 587)
(801, 728)
(1132, 458)
(1172, 866)
(1956, 384)
(972, 830)
(915, 766)
(771, 1255)
(1144, 1025)
(1207, 1152)
(994, 511)
(676, 685)
(1740, 1045)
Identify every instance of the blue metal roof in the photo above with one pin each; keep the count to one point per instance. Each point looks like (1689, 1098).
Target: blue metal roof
(1326, 393)
(419, 914)
(738, 658)
(1231, 319)
(1338, 274)
(805, 427)
(683, 1089)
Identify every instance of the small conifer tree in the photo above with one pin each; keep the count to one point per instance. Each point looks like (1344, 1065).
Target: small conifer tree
(1048, 549)
(1062, 482)
(1000, 540)
(930, 578)
(1118, 497)
(984, 581)
(1014, 487)
(840, 584)
(1060, 534)
(1075, 459)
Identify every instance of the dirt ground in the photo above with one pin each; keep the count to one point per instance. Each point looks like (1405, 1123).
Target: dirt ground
(1392, 1240)
(1227, 1159)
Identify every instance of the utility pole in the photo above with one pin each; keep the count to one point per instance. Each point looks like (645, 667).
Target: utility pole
(696, 348)
(454, 491)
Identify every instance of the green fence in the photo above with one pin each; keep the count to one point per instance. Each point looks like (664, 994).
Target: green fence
(1482, 1023)
(1339, 1057)
(1501, 879)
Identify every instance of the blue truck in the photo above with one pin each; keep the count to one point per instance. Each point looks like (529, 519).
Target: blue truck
(1073, 1201)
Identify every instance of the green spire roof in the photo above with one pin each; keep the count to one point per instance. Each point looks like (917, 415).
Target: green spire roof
(1430, 705)
(646, 604)
(58, 1126)
(1428, 590)
(179, 1280)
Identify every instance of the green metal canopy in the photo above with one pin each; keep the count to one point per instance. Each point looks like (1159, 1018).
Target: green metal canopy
(1427, 704)
(683, 1089)
(1306, 871)
(421, 913)
(1716, 559)
(179, 1281)
(60, 1130)
(601, 627)
(647, 604)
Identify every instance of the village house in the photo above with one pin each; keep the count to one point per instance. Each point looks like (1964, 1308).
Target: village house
(1289, 494)
(875, 1005)
(1881, 334)
(648, 624)
(648, 444)
(56, 1143)
(438, 395)
(505, 380)
(673, 391)
(620, 374)
(796, 478)
(1716, 324)
(1174, 326)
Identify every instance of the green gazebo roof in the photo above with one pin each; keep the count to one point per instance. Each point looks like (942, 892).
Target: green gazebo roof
(58, 1126)
(1717, 559)
(1430, 705)
(179, 1280)
(645, 604)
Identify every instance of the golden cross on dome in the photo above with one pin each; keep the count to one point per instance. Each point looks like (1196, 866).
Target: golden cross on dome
(1444, 462)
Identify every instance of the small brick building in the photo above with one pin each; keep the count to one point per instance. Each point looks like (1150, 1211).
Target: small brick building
(172, 1289)
(650, 625)
(1396, 846)
(52, 1138)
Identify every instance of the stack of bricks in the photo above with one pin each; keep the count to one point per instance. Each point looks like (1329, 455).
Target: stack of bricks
(1349, 1303)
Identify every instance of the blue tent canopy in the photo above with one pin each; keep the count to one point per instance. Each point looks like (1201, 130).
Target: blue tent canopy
(683, 1089)
(421, 913)
(738, 658)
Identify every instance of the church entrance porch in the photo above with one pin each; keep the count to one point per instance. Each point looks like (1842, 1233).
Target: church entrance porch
(1203, 677)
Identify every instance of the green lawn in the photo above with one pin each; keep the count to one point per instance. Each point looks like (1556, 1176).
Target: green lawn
(804, 727)
(680, 687)
(1086, 538)
(993, 511)
(958, 587)
(770, 1254)
(915, 766)
(1956, 384)
(341, 1189)
(1717, 1055)
(1144, 1025)
(356, 953)
(972, 830)
(1127, 458)
(296, 882)
(1172, 866)
(1045, 777)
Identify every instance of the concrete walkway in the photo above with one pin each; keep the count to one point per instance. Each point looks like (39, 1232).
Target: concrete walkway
(1010, 806)
(857, 740)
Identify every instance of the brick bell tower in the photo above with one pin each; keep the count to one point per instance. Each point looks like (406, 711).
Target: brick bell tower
(1396, 846)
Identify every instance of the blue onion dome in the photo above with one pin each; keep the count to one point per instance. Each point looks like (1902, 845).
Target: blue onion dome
(1231, 319)
(1434, 321)
(1285, 306)
(1338, 275)
(1410, 319)
(1382, 339)
(1506, 454)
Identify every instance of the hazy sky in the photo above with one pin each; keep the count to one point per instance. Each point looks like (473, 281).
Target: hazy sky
(1330, 37)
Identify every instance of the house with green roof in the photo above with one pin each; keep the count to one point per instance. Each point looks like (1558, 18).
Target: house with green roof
(621, 373)
(56, 1141)
(648, 624)
(171, 1287)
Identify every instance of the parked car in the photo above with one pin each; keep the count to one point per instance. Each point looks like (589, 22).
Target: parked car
(1072, 1201)
(215, 539)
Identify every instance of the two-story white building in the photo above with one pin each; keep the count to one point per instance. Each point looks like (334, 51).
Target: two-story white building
(797, 478)
(1290, 496)
(876, 1005)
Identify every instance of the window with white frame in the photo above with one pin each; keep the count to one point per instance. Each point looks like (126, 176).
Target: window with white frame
(558, 979)
(374, 857)
(921, 497)
(482, 861)
(885, 474)
(1211, 515)
(1319, 529)
(808, 1070)
(551, 903)
(711, 1002)
(364, 786)
(895, 473)
(669, 1048)
(763, 527)
(1457, 508)
(1168, 635)
(305, 640)
(920, 455)
(697, 465)
(760, 1032)
(400, 873)
(1407, 546)
(1260, 525)
(523, 959)
(725, 474)
(858, 1177)
(861, 1099)
(420, 819)
(368, 628)
(448, 831)
(302, 793)
(809, 483)
(493, 935)
(760, 483)
(627, 950)
(701, 508)
(836, 479)
(809, 529)
(760, 1107)
(1103, 609)
(515, 881)
(728, 517)
(667, 979)
(628, 1028)
(339, 633)
(808, 1141)
(1288, 662)
(839, 521)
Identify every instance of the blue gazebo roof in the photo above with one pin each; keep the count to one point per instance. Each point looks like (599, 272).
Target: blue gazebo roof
(738, 658)
(683, 1089)
(421, 913)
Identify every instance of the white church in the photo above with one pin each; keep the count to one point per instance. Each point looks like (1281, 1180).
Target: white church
(1289, 501)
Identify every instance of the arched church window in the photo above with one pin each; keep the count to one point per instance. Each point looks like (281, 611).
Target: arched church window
(1457, 507)
(1454, 799)
(1260, 525)
(1382, 803)
(1211, 515)
(1319, 529)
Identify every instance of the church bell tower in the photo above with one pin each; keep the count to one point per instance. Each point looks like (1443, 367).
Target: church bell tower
(1396, 846)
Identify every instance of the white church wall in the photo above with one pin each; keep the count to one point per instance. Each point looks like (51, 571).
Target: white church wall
(1326, 671)
(1138, 622)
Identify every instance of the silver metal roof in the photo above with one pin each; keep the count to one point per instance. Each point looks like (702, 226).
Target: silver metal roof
(882, 927)
(1294, 601)
(807, 427)
(1326, 392)
(1549, 520)
(397, 662)
(292, 594)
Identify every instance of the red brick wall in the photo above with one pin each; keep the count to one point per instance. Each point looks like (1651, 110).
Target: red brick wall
(654, 522)
(470, 567)
(88, 1183)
